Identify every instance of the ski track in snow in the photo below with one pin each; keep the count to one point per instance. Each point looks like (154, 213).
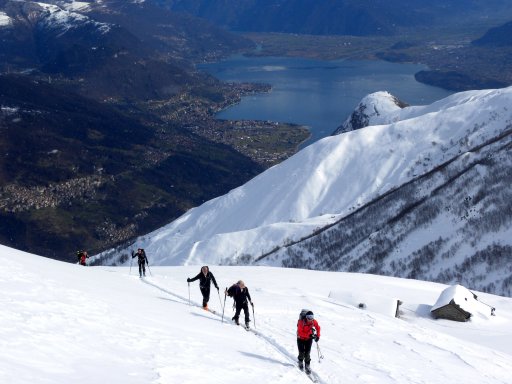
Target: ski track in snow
(269, 340)
(367, 355)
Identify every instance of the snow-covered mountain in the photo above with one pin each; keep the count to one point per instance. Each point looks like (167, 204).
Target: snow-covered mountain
(374, 109)
(424, 195)
(62, 15)
(62, 323)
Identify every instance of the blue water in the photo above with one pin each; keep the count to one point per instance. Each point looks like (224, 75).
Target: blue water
(318, 94)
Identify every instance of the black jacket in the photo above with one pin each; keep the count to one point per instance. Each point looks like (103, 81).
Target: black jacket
(240, 295)
(142, 257)
(204, 281)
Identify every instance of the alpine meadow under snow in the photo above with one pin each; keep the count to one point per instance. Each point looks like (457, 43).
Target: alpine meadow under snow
(64, 323)
(419, 192)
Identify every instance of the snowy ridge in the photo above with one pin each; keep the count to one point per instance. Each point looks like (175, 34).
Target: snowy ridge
(64, 323)
(57, 15)
(329, 180)
(67, 18)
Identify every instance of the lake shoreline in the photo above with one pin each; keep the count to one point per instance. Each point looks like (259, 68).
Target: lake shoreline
(314, 93)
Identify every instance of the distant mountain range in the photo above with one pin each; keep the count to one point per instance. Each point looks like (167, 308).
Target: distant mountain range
(116, 49)
(496, 37)
(335, 17)
(419, 192)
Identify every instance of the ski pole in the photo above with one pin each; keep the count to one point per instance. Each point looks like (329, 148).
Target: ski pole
(253, 316)
(224, 306)
(320, 356)
(131, 261)
(189, 294)
(150, 274)
(218, 293)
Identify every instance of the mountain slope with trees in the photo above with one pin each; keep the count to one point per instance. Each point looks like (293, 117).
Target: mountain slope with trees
(76, 173)
(429, 199)
(90, 157)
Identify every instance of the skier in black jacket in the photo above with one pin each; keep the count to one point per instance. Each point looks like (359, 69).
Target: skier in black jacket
(205, 278)
(143, 260)
(240, 293)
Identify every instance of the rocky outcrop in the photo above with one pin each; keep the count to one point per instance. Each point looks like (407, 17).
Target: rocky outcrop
(375, 108)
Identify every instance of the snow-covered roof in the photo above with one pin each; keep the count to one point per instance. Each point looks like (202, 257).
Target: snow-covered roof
(5, 20)
(464, 298)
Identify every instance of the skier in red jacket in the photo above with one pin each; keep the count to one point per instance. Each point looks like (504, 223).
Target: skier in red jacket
(307, 331)
(82, 256)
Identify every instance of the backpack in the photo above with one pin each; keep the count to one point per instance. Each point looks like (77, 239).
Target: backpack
(303, 312)
(232, 290)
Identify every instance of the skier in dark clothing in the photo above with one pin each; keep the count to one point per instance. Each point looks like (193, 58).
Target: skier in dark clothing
(143, 261)
(307, 331)
(205, 278)
(240, 293)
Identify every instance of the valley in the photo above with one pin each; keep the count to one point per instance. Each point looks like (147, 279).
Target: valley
(454, 63)
(108, 130)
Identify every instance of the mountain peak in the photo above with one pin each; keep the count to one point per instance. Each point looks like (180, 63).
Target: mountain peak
(374, 109)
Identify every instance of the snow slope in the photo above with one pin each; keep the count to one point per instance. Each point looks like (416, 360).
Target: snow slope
(69, 17)
(63, 323)
(330, 179)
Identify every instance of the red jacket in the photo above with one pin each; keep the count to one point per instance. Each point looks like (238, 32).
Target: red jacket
(304, 329)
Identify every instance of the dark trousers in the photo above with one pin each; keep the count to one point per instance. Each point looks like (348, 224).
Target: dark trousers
(304, 350)
(206, 295)
(142, 269)
(238, 309)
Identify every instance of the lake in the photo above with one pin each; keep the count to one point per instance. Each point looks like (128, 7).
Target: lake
(315, 93)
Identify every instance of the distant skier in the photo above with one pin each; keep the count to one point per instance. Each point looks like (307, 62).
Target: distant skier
(205, 278)
(143, 261)
(240, 293)
(82, 257)
(307, 331)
